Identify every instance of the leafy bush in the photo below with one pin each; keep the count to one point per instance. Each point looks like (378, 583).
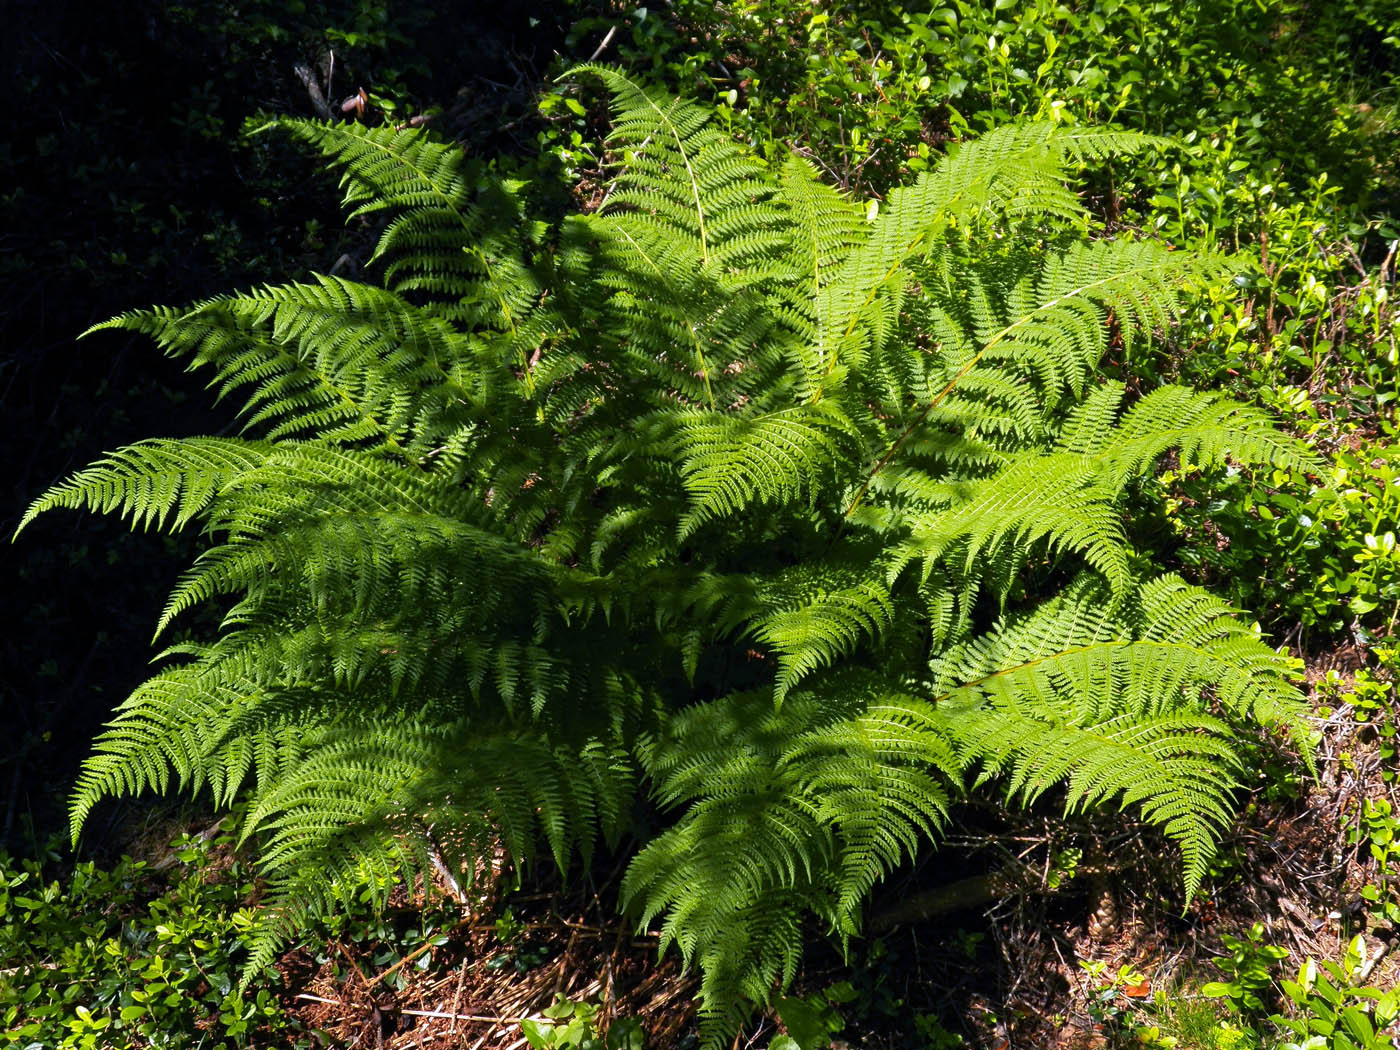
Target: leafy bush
(798, 514)
(1249, 969)
(103, 958)
(1314, 560)
(1331, 1006)
(871, 87)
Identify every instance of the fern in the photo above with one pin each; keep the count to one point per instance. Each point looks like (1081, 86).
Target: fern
(700, 498)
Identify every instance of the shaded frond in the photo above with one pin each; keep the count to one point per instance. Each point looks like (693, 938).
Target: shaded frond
(820, 630)
(799, 809)
(729, 462)
(424, 187)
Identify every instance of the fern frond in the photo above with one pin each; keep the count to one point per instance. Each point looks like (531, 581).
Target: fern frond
(1175, 767)
(1053, 498)
(148, 480)
(822, 629)
(685, 177)
(508, 786)
(171, 731)
(425, 186)
(1249, 678)
(1055, 325)
(803, 808)
(1015, 170)
(1206, 429)
(360, 562)
(827, 228)
(729, 462)
(1113, 704)
(344, 361)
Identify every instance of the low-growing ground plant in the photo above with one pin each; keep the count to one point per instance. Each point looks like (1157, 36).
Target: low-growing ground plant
(132, 955)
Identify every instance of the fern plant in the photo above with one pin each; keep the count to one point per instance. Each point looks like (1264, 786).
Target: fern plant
(798, 522)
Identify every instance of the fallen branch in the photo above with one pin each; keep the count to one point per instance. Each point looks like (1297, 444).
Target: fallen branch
(466, 1017)
(317, 999)
(457, 999)
(431, 942)
(452, 1014)
(978, 891)
(604, 45)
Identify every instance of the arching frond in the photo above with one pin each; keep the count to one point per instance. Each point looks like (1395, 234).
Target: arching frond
(730, 461)
(1051, 498)
(1205, 428)
(146, 481)
(806, 807)
(1113, 704)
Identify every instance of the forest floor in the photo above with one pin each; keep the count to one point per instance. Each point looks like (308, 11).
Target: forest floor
(1042, 933)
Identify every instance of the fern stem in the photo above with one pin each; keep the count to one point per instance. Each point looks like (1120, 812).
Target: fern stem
(694, 182)
(509, 316)
(855, 314)
(895, 446)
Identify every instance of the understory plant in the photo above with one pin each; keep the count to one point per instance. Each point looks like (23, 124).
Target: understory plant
(790, 517)
(133, 955)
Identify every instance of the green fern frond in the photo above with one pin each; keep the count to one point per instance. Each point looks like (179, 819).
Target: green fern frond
(729, 462)
(827, 226)
(1249, 678)
(171, 731)
(1175, 768)
(818, 632)
(1055, 325)
(1206, 429)
(805, 808)
(346, 362)
(1088, 428)
(685, 177)
(1013, 170)
(424, 186)
(1052, 498)
(146, 481)
(397, 560)
(1112, 703)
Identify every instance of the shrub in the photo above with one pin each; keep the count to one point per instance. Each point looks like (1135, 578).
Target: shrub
(130, 955)
(874, 87)
(794, 515)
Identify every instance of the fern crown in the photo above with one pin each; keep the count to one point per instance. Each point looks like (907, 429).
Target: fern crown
(795, 524)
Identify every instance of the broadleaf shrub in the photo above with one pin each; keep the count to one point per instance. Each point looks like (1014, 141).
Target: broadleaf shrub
(131, 954)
